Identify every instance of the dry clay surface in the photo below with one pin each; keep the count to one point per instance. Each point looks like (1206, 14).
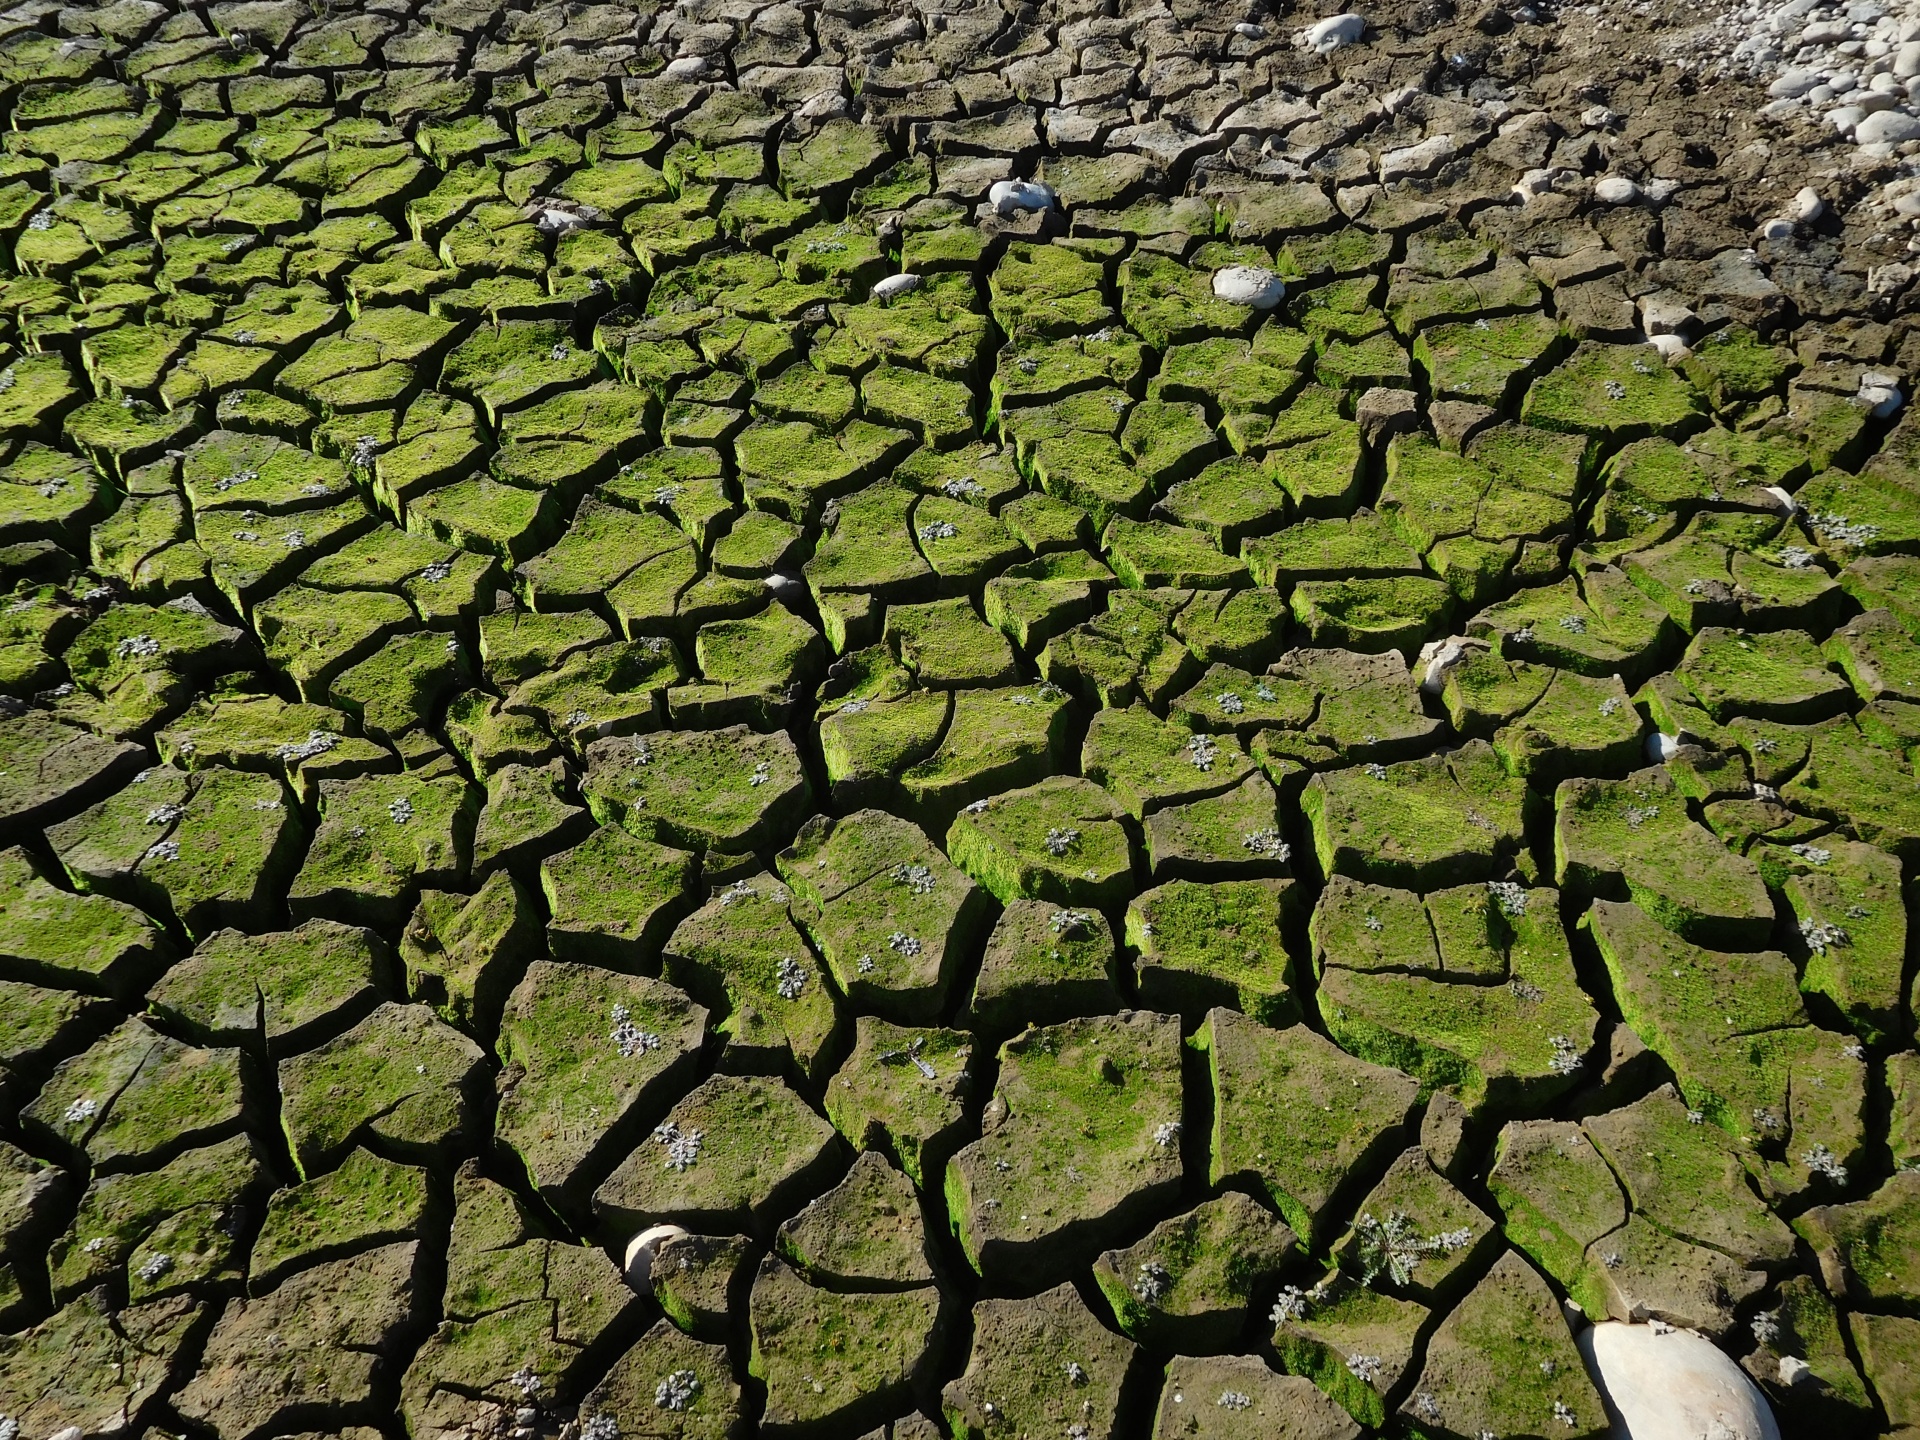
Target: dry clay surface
(1142, 719)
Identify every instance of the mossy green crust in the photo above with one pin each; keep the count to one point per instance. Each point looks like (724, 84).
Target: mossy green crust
(125, 1219)
(514, 1304)
(1147, 763)
(1231, 836)
(1354, 1343)
(1042, 1365)
(945, 643)
(136, 1095)
(866, 1233)
(882, 1095)
(1688, 1180)
(743, 956)
(728, 789)
(613, 897)
(365, 1203)
(1435, 821)
(1059, 840)
(1849, 777)
(57, 1371)
(1220, 944)
(1632, 839)
(277, 992)
(583, 1048)
(1734, 1031)
(1450, 1233)
(1503, 1361)
(1042, 964)
(760, 1147)
(1081, 1137)
(1778, 676)
(87, 942)
(890, 913)
(380, 837)
(1282, 1404)
(1846, 900)
(1296, 1116)
(1557, 1198)
(1494, 1012)
(401, 1081)
(1190, 1282)
(1127, 653)
(628, 1396)
(1869, 1249)
(1618, 391)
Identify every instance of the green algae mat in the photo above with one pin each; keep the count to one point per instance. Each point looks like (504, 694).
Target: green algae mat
(586, 647)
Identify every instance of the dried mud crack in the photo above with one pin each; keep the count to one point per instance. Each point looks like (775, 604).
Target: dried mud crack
(955, 720)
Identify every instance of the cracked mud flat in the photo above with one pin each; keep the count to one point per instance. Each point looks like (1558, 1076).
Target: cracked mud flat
(1150, 719)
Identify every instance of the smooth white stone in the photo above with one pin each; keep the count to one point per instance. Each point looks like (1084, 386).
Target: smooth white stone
(1330, 34)
(641, 1250)
(1615, 190)
(1889, 127)
(904, 284)
(1009, 196)
(1667, 1384)
(1249, 285)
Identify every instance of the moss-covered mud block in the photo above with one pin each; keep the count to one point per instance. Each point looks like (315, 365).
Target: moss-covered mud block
(739, 1150)
(1735, 1031)
(1231, 836)
(1633, 839)
(706, 1396)
(462, 954)
(1147, 763)
(365, 1203)
(1220, 944)
(274, 993)
(730, 789)
(866, 1233)
(1044, 963)
(400, 1081)
(1356, 1344)
(1557, 1197)
(831, 1361)
(136, 1095)
(1504, 1362)
(380, 837)
(1040, 1364)
(1081, 1138)
(891, 914)
(83, 942)
(345, 1313)
(1869, 1249)
(901, 1091)
(1446, 819)
(614, 897)
(1249, 1400)
(1060, 840)
(1485, 1004)
(1190, 1282)
(1298, 1118)
(584, 1051)
(1846, 901)
(744, 956)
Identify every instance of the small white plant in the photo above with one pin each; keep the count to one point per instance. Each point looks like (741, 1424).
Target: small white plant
(683, 1146)
(1060, 841)
(790, 979)
(1510, 897)
(677, 1392)
(400, 811)
(1822, 1161)
(1152, 1283)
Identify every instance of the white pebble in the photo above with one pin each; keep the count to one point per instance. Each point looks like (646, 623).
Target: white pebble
(1010, 196)
(894, 285)
(1672, 348)
(1889, 127)
(1249, 285)
(687, 67)
(1328, 35)
(1794, 84)
(641, 1250)
(1615, 190)
(1669, 1384)
(1778, 228)
(1807, 206)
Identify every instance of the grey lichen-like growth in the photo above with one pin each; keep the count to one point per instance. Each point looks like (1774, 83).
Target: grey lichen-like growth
(400, 811)
(762, 772)
(683, 1146)
(1564, 1414)
(1230, 703)
(1060, 841)
(790, 979)
(1509, 896)
(1375, 770)
(904, 944)
(1152, 1283)
(1367, 1369)
(1076, 1374)
(1202, 751)
(628, 1037)
(939, 530)
(1071, 922)
(917, 878)
(1291, 1304)
(1233, 1400)
(1394, 1248)
(677, 1392)
(1766, 1326)
(1822, 1161)
(525, 1381)
(137, 647)
(1812, 854)
(1566, 1055)
(162, 851)
(600, 1427)
(1167, 1134)
(1638, 815)
(1822, 935)
(1266, 844)
(157, 1265)
(1427, 1404)
(318, 742)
